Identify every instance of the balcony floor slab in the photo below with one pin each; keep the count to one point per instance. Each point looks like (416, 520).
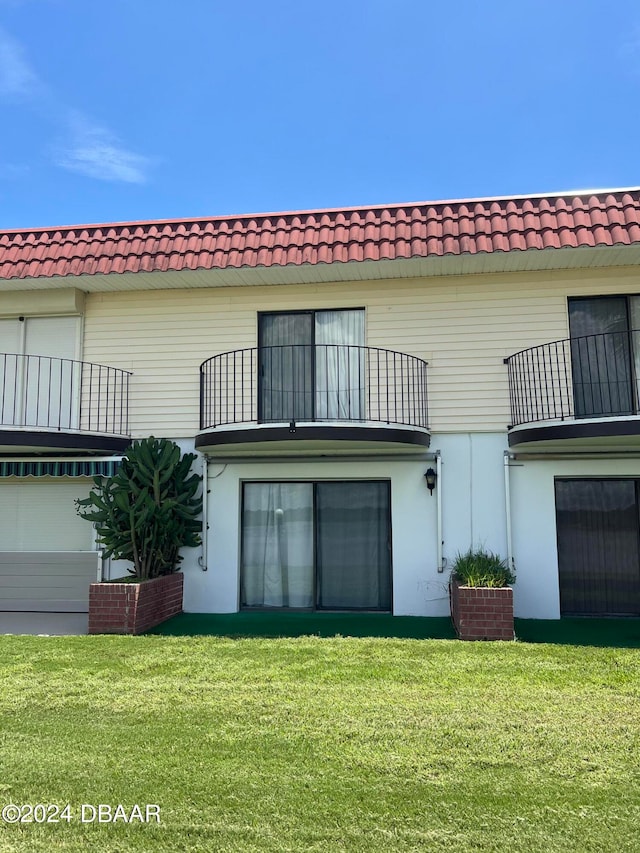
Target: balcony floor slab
(609, 434)
(312, 439)
(28, 440)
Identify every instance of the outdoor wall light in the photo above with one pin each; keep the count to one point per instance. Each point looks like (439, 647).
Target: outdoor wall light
(431, 477)
(292, 426)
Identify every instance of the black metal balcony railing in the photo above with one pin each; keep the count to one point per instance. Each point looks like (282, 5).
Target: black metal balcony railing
(590, 376)
(58, 393)
(306, 382)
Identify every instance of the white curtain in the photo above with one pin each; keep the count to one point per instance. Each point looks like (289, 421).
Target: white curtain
(277, 545)
(340, 365)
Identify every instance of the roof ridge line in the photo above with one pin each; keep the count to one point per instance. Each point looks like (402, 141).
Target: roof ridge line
(320, 210)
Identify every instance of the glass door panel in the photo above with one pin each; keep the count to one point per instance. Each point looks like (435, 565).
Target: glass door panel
(353, 546)
(277, 545)
(634, 323)
(340, 365)
(285, 366)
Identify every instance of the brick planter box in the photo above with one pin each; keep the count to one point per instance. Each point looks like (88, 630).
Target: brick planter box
(132, 608)
(481, 614)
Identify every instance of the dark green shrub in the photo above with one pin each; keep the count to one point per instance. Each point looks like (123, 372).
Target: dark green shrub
(482, 568)
(149, 509)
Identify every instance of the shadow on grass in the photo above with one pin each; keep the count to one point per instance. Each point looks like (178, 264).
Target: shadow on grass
(618, 633)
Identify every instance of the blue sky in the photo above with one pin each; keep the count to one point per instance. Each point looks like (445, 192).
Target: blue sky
(141, 109)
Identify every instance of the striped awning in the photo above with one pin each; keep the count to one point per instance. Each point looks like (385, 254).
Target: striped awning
(61, 468)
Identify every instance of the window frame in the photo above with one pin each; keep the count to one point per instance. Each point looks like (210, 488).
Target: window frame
(312, 344)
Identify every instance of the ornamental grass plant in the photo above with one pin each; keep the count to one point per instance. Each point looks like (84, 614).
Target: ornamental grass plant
(480, 568)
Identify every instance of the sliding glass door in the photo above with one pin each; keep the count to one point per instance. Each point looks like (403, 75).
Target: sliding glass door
(311, 366)
(605, 355)
(598, 529)
(324, 545)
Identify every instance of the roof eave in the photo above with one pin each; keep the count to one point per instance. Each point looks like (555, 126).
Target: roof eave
(482, 263)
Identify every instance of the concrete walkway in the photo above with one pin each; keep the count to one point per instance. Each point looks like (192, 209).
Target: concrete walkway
(44, 624)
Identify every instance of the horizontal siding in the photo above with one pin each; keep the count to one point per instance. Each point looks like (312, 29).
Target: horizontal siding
(463, 326)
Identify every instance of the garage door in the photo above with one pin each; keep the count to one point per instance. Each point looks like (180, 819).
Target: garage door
(47, 559)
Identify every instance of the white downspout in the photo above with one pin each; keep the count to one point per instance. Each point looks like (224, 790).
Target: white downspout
(440, 562)
(202, 560)
(205, 514)
(507, 499)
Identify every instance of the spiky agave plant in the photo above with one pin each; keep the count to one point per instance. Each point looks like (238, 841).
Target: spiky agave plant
(148, 509)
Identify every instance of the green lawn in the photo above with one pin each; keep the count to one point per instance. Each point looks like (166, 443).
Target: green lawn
(313, 744)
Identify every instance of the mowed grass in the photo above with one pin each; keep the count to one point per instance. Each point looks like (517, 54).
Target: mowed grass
(309, 744)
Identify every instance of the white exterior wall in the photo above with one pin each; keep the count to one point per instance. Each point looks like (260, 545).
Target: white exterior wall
(418, 589)
(473, 499)
(473, 502)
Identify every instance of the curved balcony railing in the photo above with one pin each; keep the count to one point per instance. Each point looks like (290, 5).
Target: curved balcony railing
(313, 382)
(37, 391)
(592, 376)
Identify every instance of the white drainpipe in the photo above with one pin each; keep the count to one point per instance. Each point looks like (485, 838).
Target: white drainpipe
(205, 514)
(507, 498)
(440, 543)
(206, 479)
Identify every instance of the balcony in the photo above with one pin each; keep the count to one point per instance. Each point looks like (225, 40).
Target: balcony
(313, 399)
(49, 404)
(580, 394)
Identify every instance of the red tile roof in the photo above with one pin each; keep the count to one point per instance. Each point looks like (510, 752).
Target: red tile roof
(425, 229)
